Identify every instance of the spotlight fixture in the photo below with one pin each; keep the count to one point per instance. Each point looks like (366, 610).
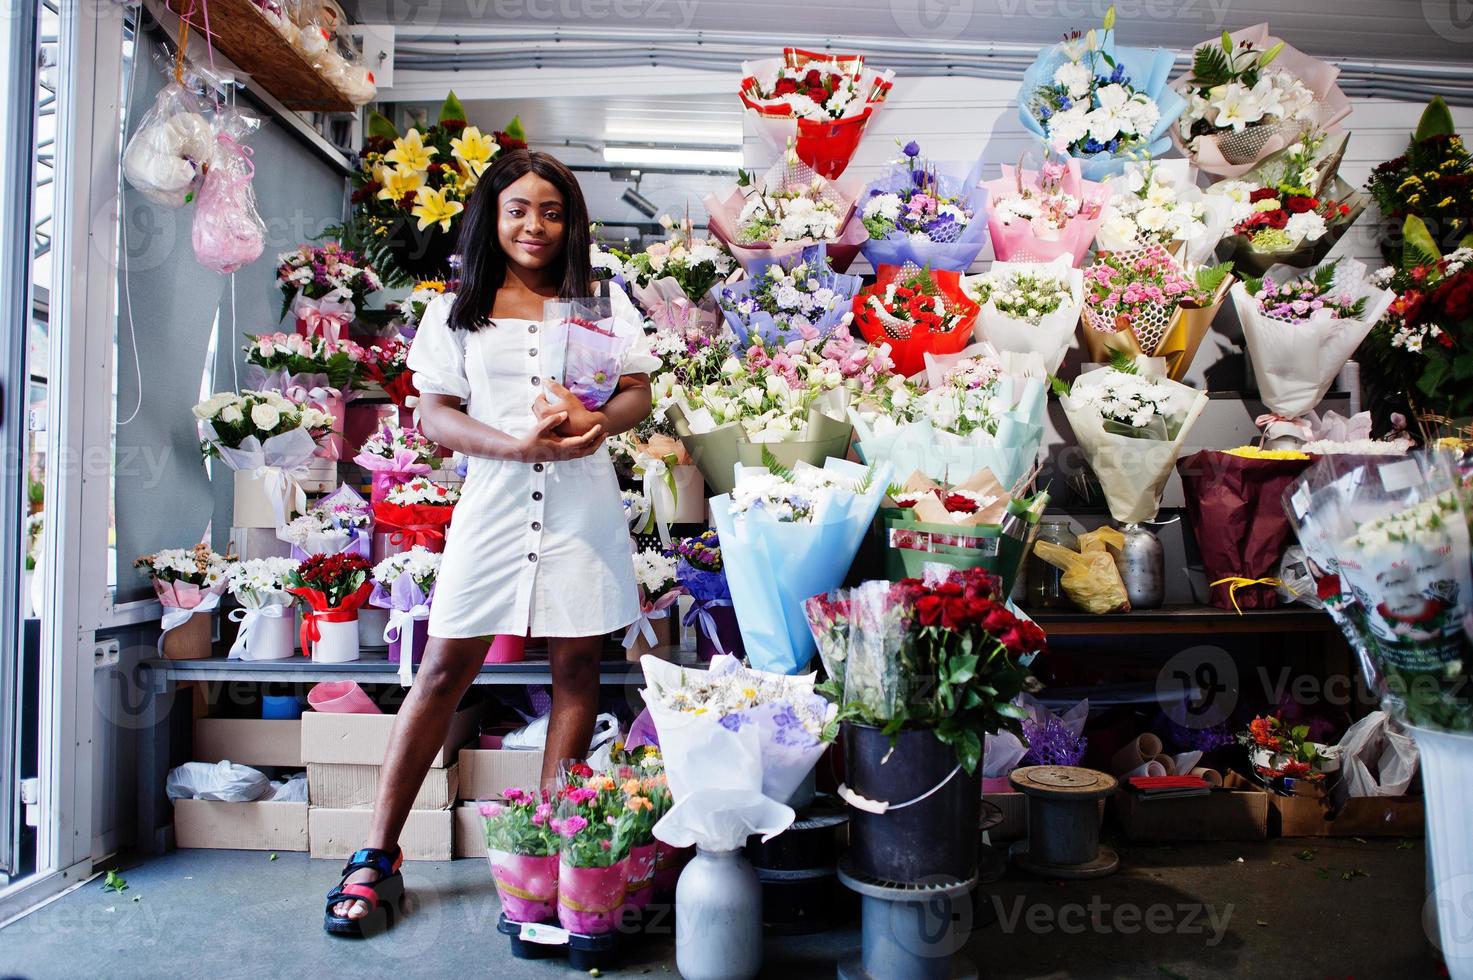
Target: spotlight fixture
(638, 202)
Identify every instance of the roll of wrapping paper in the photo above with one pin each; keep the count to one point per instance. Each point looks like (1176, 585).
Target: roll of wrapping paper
(1211, 776)
(1168, 764)
(1151, 769)
(1135, 753)
(1184, 334)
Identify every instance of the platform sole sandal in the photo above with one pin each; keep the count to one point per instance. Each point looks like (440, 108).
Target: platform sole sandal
(384, 897)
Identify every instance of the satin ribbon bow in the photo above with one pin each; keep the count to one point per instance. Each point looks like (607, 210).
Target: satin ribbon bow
(176, 616)
(401, 624)
(1235, 582)
(700, 612)
(1275, 426)
(249, 619)
(409, 535)
(658, 473)
(1334, 427)
(282, 489)
(649, 611)
(318, 395)
(323, 316)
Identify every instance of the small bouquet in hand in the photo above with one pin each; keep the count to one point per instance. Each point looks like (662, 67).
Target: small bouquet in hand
(924, 213)
(522, 847)
(393, 454)
(1039, 215)
(916, 312)
(268, 630)
(699, 571)
(188, 583)
(594, 342)
(332, 588)
(404, 584)
(1027, 307)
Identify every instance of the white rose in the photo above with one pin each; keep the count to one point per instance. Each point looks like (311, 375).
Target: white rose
(230, 414)
(265, 417)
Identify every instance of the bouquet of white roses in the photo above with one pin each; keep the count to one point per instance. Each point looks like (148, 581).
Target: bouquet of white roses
(264, 436)
(1028, 307)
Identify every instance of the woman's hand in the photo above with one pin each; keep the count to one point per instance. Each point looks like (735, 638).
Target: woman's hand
(578, 418)
(544, 445)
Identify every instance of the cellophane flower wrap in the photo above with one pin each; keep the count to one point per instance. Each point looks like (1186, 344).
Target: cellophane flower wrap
(228, 232)
(925, 213)
(969, 415)
(700, 572)
(1100, 102)
(819, 104)
(1028, 307)
(737, 742)
(915, 312)
(673, 281)
(267, 435)
(339, 523)
(593, 342)
(166, 157)
(1300, 328)
(786, 535)
(393, 454)
(417, 512)
(596, 832)
(1249, 95)
(522, 847)
(404, 584)
(1156, 202)
(796, 297)
(1131, 426)
(1144, 303)
(1039, 215)
(942, 653)
(1235, 507)
(786, 210)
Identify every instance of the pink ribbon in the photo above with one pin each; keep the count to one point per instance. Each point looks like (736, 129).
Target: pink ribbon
(329, 318)
(648, 611)
(1275, 425)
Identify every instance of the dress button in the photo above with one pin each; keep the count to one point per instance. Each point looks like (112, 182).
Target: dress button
(532, 352)
(536, 494)
(532, 328)
(536, 380)
(536, 525)
(532, 556)
(537, 467)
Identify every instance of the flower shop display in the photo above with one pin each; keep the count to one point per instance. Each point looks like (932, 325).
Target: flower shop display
(1028, 307)
(796, 297)
(404, 584)
(1131, 427)
(331, 590)
(411, 189)
(268, 441)
(323, 287)
(1091, 578)
(1039, 215)
(819, 104)
(268, 626)
(595, 831)
(308, 370)
(1145, 303)
(1100, 102)
(786, 209)
(1432, 181)
(1299, 329)
(188, 583)
(415, 512)
(522, 848)
(166, 156)
(672, 281)
(1291, 209)
(339, 523)
(787, 534)
(699, 570)
(227, 232)
(970, 415)
(915, 312)
(1249, 95)
(1278, 751)
(393, 454)
(925, 213)
(654, 630)
(1235, 508)
(1156, 202)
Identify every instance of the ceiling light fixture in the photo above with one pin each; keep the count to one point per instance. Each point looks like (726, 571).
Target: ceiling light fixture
(674, 156)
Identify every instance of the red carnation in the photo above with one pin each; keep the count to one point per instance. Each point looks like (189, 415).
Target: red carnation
(1276, 219)
(1298, 204)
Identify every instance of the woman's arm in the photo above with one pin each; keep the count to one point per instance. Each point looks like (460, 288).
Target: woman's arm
(629, 406)
(445, 422)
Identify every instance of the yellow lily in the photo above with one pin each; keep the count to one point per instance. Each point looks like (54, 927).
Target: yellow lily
(397, 183)
(474, 149)
(431, 208)
(410, 152)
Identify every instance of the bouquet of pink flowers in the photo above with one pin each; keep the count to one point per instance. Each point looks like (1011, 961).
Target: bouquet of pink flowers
(1038, 215)
(394, 454)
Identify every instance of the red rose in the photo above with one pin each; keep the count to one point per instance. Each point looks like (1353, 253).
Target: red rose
(957, 503)
(813, 79)
(998, 620)
(784, 86)
(819, 95)
(1298, 204)
(1276, 219)
(1262, 194)
(928, 610)
(957, 611)
(949, 589)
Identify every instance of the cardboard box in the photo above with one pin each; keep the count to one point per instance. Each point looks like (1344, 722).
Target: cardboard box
(1361, 816)
(484, 773)
(240, 826)
(362, 740)
(427, 834)
(470, 831)
(1221, 815)
(249, 741)
(344, 787)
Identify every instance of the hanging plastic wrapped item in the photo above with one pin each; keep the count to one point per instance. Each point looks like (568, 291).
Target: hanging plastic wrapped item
(166, 157)
(228, 232)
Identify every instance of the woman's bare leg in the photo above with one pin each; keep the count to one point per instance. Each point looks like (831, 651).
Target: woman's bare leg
(443, 677)
(574, 700)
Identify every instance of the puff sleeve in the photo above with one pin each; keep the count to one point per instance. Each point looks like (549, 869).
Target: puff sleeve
(437, 353)
(639, 357)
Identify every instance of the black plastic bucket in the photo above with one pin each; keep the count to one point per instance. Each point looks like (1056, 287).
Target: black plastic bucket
(932, 839)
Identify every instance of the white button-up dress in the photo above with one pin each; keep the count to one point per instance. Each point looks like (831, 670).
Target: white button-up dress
(538, 549)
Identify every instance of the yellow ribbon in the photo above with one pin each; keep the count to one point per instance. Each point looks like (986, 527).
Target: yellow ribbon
(523, 893)
(1234, 583)
(576, 906)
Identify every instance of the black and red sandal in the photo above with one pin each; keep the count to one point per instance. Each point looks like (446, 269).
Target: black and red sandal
(383, 896)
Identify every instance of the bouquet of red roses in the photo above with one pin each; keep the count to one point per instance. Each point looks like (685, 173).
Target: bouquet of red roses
(916, 311)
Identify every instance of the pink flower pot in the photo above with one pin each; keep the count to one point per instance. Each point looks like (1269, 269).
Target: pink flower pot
(526, 885)
(341, 697)
(641, 885)
(507, 650)
(589, 899)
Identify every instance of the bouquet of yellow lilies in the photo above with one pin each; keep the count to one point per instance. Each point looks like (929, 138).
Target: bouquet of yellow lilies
(410, 190)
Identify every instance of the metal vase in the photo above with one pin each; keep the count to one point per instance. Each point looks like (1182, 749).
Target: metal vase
(1142, 567)
(718, 918)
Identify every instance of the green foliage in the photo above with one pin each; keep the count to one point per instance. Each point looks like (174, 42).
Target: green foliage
(1209, 278)
(114, 882)
(775, 466)
(1211, 66)
(451, 109)
(1123, 362)
(1437, 120)
(379, 125)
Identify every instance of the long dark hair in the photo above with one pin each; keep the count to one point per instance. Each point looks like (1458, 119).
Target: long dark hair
(483, 263)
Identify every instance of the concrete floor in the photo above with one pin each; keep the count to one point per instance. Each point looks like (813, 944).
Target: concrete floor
(1288, 908)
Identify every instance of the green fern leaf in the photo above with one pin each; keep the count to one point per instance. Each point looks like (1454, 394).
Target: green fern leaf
(1210, 66)
(1123, 362)
(1209, 278)
(775, 466)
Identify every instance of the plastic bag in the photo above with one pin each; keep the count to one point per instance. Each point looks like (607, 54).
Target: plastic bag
(1090, 580)
(222, 780)
(228, 232)
(1376, 757)
(292, 790)
(165, 158)
(533, 735)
